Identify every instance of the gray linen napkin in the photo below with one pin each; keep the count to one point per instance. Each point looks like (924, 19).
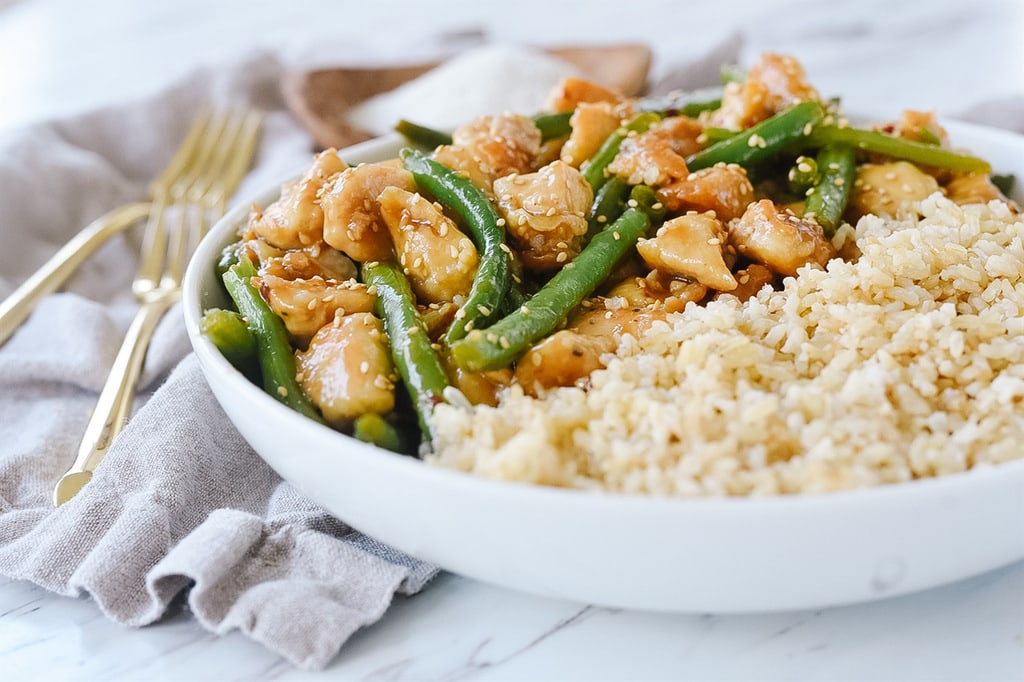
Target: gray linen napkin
(181, 501)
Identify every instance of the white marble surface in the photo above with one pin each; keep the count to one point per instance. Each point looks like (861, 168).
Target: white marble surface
(59, 57)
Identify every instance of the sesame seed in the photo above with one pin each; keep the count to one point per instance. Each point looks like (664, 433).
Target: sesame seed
(561, 257)
(364, 367)
(282, 391)
(503, 342)
(484, 310)
(615, 235)
(632, 203)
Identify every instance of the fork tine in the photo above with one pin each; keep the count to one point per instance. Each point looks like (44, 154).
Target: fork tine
(182, 156)
(242, 152)
(218, 153)
(164, 191)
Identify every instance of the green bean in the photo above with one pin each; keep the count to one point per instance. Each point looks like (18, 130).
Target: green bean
(827, 200)
(417, 362)
(459, 195)
(422, 136)
(608, 204)
(276, 358)
(761, 140)
(553, 125)
(928, 136)
(594, 168)
(713, 134)
(897, 148)
(376, 430)
(687, 103)
(1004, 183)
(503, 342)
(803, 174)
(230, 334)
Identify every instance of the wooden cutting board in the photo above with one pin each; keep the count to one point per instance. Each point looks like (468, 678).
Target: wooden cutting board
(320, 100)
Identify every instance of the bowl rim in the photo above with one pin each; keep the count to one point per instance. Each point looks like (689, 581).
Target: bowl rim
(1009, 473)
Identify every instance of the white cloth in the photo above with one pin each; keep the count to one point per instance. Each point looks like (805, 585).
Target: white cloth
(181, 504)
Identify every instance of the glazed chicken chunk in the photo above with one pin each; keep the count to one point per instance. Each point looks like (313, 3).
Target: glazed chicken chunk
(690, 246)
(779, 239)
(491, 147)
(347, 370)
(297, 219)
(545, 213)
(437, 257)
(352, 219)
(306, 305)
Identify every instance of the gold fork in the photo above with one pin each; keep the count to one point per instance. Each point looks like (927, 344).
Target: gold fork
(192, 191)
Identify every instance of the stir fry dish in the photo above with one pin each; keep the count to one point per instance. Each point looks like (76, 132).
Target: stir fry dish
(514, 255)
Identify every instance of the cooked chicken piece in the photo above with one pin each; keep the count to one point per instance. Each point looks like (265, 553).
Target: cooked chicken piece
(306, 305)
(545, 214)
(347, 370)
(319, 260)
(885, 189)
(257, 249)
(296, 218)
(491, 147)
(690, 246)
(684, 134)
(974, 188)
(592, 123)
(751, 280)
(658, 292)
(724, 189)
(572, 92)
(656, 157)
(550, 150)
(772, 84)
(779, 239)
(920, 126)
(352, 220)
(561, 359)
(570, 355)
(437, 257)
(437, 317)
(480, 388)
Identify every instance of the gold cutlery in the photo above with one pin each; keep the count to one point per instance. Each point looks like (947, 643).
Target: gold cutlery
(16, 307)
(191, 192)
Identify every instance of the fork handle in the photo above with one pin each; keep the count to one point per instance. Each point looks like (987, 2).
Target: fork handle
(113, 407)
(16, 307)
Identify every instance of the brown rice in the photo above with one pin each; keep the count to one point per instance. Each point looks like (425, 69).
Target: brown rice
(903, 363)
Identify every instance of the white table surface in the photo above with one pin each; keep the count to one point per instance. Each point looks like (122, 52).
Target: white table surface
(59, 57)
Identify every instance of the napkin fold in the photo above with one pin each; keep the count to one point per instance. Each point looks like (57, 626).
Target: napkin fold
(181, 504)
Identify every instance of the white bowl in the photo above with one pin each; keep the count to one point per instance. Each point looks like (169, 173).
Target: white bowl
(685, 555)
